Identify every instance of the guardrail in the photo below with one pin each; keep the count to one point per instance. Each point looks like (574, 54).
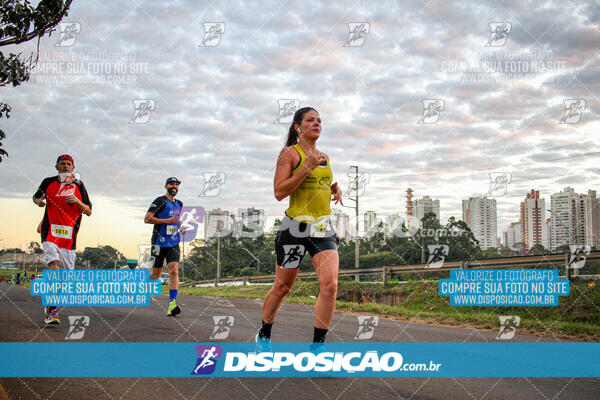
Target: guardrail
(553, 260)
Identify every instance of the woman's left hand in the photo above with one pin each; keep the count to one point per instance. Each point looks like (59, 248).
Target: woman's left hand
(336, 192)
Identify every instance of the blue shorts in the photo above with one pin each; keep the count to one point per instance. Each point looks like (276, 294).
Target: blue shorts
(295, 238)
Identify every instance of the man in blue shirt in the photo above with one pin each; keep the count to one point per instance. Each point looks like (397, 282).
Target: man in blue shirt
(164, 213)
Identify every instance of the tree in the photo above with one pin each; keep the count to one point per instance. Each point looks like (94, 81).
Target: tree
(491, 252)
(102, 257)
(563, 249)
(20, 22)
(538, 250)
(403, 245)
(238, 258)
(113, 254)
(9, 251)
(34, 248)
(464, 246)
(95, 256)
(506, 251)
(4, 110)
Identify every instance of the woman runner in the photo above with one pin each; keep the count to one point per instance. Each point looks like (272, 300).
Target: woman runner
(304, 174)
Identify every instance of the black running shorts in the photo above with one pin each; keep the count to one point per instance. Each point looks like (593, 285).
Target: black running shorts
(295, 238)
(171, 254)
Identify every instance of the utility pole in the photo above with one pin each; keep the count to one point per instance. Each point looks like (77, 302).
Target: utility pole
(422, 247)
(182, 258)
(219, 229)
(357, 240)
(218, 260)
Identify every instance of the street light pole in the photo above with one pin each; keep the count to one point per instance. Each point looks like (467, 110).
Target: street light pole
(252, 255)
(357, 240)
(422, 247)
(182, 259)
(219, 230)
(218, 260)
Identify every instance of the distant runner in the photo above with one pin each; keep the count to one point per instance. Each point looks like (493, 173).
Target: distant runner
(164, 213)
(65, 199)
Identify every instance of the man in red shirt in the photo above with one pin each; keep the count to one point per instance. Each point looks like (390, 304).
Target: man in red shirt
(65, 199)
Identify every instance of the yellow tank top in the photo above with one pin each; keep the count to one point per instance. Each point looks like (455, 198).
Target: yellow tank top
(311, 200)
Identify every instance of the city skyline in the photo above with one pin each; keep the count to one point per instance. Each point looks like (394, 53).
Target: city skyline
(270, 218)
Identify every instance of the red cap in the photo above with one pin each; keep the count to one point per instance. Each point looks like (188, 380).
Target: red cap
(65, 157)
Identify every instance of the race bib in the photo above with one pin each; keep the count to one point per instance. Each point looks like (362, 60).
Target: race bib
(61, 231)
(171, 230)
(320, 229)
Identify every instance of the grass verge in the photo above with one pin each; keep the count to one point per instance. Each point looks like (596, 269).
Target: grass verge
(576, 317)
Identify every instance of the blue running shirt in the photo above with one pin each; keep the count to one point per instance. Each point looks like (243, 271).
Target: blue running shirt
(165, 235)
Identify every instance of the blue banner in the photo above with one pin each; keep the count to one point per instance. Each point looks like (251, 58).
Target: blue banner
(95, 287)
(377, 359)
(503, 287)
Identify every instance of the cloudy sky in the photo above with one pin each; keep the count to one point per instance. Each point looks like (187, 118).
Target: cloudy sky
(214, 101)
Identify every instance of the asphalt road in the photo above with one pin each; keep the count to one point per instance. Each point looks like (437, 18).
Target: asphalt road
(22, 321)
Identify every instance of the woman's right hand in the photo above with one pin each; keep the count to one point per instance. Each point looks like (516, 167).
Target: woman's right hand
(314, 159)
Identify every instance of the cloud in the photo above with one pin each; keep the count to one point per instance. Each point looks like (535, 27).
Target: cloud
(216, 106)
